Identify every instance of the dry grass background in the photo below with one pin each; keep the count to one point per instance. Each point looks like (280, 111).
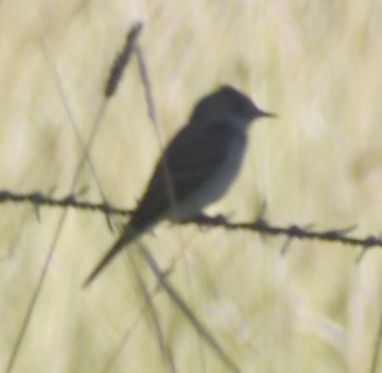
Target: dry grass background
(317, 64)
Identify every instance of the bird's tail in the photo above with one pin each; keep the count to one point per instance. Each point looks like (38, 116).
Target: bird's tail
(129, 234)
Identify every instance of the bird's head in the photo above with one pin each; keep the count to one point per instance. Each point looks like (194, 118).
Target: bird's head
(227, 103)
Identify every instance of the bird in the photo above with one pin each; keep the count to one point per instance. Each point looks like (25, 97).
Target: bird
(195, 169)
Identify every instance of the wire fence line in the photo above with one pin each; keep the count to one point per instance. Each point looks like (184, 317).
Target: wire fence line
(259, 225)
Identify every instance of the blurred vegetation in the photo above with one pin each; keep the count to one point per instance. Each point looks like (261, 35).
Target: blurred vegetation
(316, 64)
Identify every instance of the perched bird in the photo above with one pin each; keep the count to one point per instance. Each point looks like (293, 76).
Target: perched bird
(196, 168)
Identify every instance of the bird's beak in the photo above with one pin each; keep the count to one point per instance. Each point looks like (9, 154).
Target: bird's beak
(265, 114)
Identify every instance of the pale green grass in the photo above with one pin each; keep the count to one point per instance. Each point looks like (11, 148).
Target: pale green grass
(316, 64)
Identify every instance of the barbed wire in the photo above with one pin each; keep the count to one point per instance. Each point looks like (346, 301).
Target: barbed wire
(259, 225)
(38, 199)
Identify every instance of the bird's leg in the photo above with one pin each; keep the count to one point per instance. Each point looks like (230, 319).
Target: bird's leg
(197, 218)
(205, 220)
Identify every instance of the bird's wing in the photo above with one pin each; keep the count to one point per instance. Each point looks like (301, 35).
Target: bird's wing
(190, 158)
